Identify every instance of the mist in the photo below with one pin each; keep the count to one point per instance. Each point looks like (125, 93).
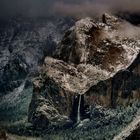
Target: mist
(35, 8)
(29, 8)
(94, 7)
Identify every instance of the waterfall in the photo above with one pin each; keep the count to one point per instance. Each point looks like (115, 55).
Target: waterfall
(78, 111)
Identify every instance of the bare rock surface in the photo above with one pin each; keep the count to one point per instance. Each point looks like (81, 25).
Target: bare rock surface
(94, 60)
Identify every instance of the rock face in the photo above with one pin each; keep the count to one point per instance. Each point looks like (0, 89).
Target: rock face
(95, 61)
(122, 88)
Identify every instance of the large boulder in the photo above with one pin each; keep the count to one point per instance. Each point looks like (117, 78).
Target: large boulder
(92, 65)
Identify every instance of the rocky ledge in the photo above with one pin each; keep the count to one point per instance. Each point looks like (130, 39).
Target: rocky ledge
(95, 63)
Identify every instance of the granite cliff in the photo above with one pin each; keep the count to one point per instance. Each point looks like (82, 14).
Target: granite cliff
(97, 62)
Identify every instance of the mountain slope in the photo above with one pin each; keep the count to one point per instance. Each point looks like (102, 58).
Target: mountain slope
(94, 68)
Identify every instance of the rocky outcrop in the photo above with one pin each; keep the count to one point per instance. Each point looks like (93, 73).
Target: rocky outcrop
(95, 61)
(55, 90)
(122, 88)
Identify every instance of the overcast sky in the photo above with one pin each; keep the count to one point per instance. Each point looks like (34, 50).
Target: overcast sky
(65, 7)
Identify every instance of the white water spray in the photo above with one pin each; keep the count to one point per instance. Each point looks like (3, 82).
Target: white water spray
(78, 111)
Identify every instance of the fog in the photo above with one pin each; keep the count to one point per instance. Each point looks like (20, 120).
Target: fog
(94, 7)
(65, 7)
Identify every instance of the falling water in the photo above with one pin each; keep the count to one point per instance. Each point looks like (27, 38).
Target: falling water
(78, 111)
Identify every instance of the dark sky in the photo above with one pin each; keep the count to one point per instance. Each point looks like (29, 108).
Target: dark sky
(69, 7)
